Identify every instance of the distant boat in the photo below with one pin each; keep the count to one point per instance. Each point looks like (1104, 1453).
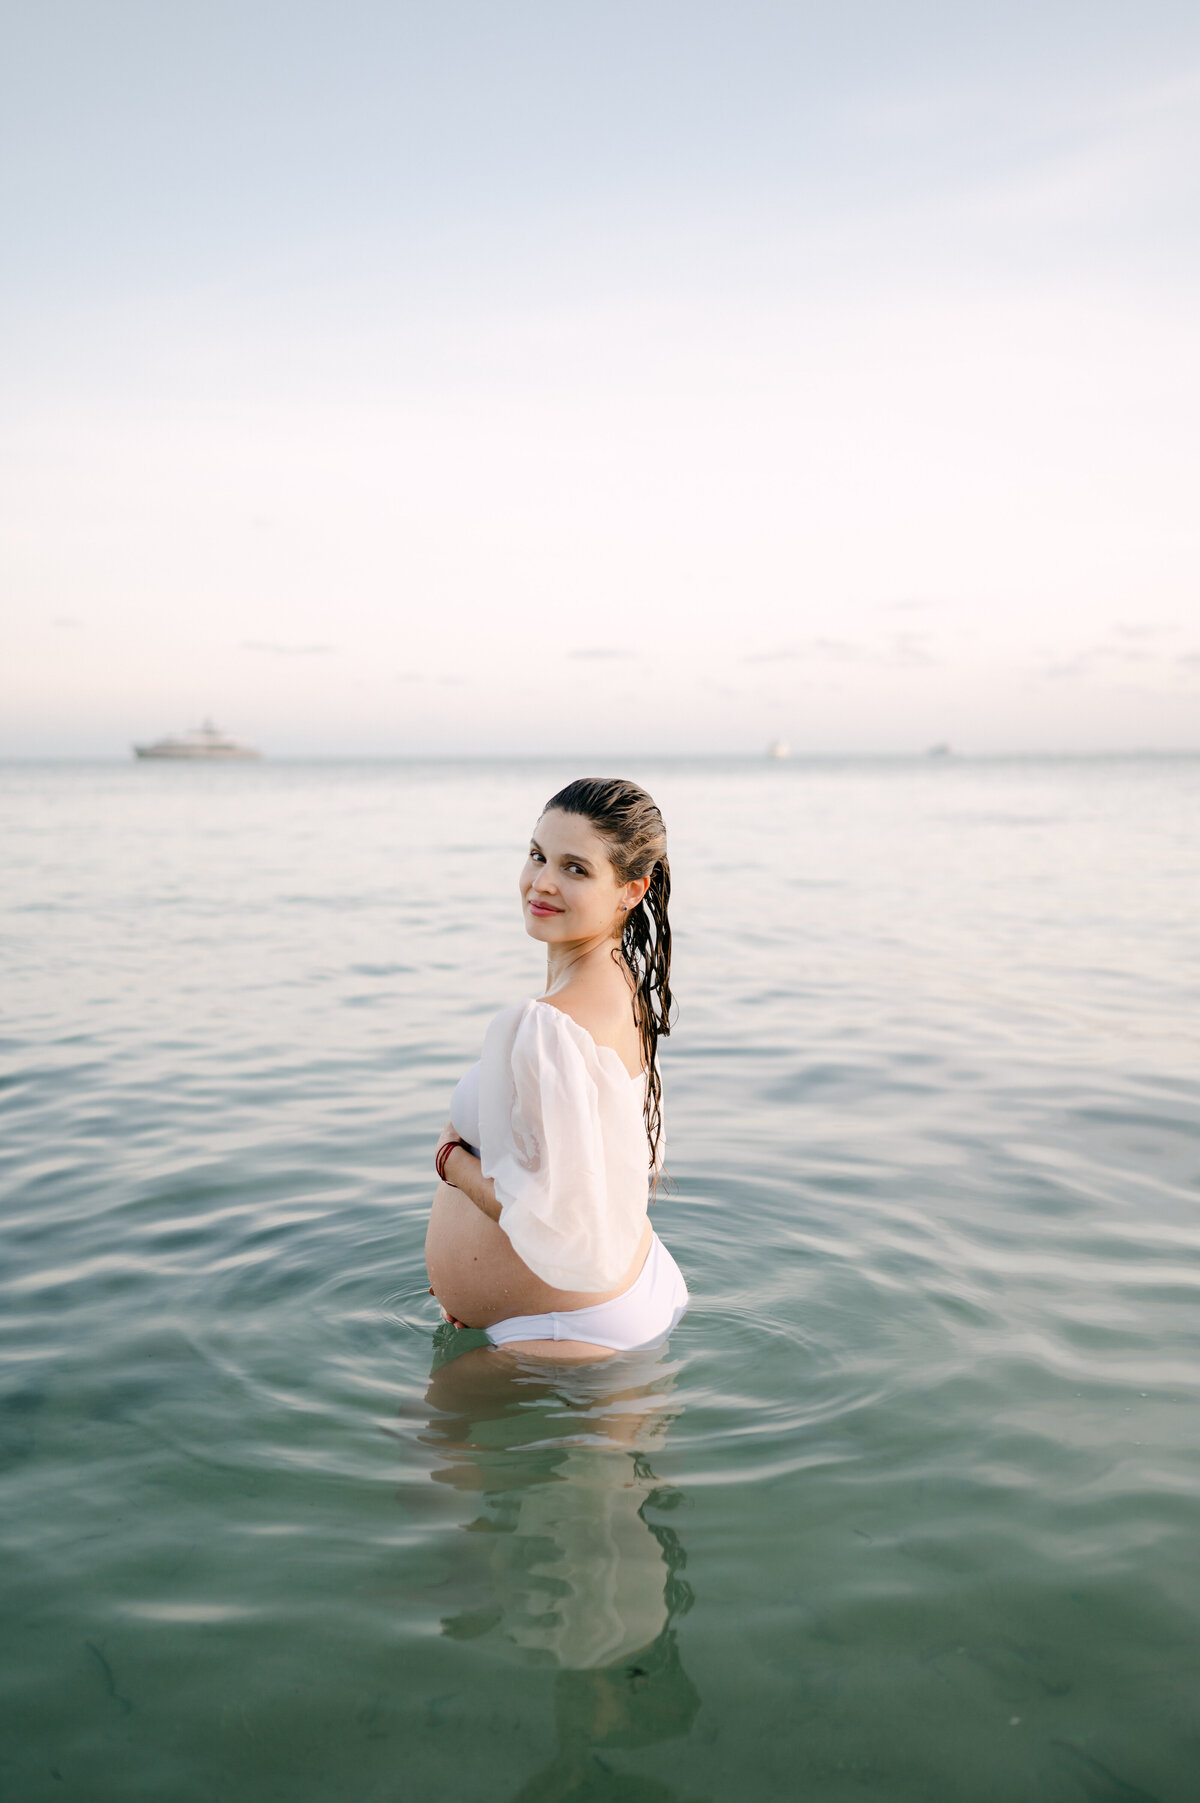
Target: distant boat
(205, 742)
(779, 748)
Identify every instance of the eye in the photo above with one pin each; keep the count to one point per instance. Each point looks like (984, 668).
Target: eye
(576, 869)
(536, 857)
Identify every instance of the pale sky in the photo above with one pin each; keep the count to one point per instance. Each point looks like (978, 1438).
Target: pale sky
(471, 377)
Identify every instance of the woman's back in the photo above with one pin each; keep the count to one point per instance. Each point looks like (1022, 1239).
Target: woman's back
(559, 1125)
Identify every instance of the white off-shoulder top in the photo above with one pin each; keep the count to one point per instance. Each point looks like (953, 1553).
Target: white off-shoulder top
(557, 1121)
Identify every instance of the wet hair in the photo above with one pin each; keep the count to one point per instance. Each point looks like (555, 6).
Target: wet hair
(632, 829)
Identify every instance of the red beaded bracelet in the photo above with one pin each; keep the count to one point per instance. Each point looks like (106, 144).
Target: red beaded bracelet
(443, 1152)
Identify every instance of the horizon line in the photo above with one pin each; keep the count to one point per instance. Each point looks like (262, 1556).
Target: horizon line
(931, 755)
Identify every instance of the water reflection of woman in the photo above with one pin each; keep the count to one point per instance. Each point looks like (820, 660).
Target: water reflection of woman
(539, 1232)
(569, 1562)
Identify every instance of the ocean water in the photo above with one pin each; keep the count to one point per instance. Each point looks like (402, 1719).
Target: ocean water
(909, 1508)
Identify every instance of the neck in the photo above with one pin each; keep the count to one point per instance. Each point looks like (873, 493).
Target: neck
(562, 960)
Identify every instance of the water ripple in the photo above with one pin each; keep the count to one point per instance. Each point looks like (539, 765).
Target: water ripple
(909, 1504)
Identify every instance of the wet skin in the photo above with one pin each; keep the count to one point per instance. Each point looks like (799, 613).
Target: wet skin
(478, 1278)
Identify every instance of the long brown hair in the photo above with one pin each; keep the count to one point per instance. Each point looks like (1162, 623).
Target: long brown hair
(632, 828)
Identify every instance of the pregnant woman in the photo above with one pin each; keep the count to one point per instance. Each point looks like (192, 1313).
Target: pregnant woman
(539, 1231)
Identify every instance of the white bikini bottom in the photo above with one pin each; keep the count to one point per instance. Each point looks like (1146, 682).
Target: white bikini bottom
(641, 1316)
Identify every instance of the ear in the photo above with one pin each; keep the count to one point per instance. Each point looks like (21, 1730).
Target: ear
(635, 892)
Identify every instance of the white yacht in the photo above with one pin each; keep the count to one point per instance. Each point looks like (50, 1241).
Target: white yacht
(206, 741)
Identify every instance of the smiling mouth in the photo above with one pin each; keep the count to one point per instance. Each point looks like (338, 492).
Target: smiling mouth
(538, 907)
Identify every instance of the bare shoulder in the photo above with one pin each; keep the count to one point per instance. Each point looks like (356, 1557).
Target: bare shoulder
(604, 1009)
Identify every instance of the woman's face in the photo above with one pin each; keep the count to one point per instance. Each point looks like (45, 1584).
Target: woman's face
(569, 889)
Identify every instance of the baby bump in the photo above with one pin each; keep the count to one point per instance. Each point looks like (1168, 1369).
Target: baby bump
(475, 1274)
(478, 1278)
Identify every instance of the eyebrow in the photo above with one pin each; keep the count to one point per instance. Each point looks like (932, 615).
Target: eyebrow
(568, 857)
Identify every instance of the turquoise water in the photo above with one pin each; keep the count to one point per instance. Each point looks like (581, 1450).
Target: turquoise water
(909, 1508)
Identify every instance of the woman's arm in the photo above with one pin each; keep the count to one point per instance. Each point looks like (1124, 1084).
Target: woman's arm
(464, 1172)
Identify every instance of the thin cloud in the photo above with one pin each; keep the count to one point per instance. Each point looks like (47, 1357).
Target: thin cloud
(272, 648)
(784, 654)
(836, 650)
(908, 649)
(1145, 631)
(902, 651)
(1068, 668)
(1130, 648)
(781, 655)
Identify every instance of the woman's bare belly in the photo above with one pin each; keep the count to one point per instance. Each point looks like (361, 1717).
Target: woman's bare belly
(478, 1278)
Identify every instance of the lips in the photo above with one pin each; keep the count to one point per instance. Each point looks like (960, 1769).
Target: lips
(536, 907)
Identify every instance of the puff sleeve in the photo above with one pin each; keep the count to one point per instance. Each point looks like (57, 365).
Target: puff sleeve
(562, 1138)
